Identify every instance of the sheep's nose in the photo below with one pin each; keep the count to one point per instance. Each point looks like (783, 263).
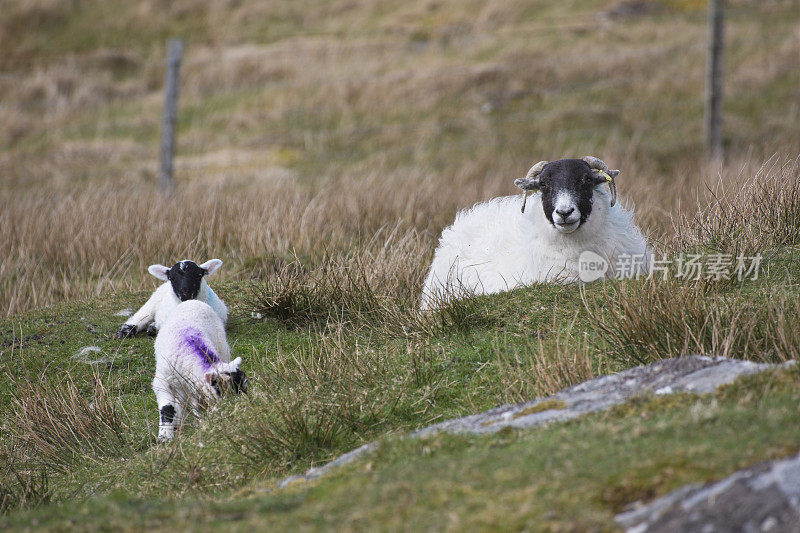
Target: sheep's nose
(565, 212)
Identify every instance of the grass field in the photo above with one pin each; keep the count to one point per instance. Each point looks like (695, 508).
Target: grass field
(322, 147)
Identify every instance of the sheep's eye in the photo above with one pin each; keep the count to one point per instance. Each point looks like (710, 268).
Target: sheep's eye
(542, 185)
(587, 179)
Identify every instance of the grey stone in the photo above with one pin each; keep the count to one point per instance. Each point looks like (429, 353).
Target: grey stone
(696, 373)
(84, 355)
(315, 472)
(765, 497)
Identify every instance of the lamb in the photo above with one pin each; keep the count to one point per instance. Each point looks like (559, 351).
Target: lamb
(495, 246)
(184, 281)
(193, 366)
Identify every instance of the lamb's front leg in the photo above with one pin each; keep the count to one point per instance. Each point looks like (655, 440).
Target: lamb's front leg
(141, 319)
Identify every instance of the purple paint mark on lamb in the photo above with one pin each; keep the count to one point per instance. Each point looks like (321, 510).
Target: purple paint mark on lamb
(193, 338)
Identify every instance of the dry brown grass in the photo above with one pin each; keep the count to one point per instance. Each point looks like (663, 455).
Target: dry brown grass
(309, 127)
(57, 423)
(754, 319)
(62, 245)
(90, 239)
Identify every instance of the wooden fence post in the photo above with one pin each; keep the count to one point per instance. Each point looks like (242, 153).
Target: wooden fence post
(713, 96)
(171, 86)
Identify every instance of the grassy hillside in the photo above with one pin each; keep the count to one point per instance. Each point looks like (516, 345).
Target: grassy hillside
(573, 475)
(322, 147)
(334, 364)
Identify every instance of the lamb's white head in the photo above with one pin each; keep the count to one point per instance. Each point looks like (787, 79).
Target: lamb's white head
(569, 188)
(185, 276)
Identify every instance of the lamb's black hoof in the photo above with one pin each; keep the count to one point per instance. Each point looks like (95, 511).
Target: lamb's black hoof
(127, 330)
(152, 330)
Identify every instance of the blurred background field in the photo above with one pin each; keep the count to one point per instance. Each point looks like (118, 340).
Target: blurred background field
(307, 127)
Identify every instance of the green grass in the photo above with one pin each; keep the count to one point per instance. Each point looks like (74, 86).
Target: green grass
(323, 383)
(572, 475)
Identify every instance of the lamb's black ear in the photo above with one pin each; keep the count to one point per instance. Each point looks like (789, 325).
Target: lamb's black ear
(239, 381)
(212, 378)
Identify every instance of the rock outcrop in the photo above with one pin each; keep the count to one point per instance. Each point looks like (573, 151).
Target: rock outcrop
(696, 373)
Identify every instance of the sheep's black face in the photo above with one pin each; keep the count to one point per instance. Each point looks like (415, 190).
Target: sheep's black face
(235, 382)
(186, 278)
(239, 381)
(567, 187)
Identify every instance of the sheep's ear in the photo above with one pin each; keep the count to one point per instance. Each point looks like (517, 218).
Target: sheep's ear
(159, 271)
(527, 184)
(210, 376)
(236, 362)
(212, 265)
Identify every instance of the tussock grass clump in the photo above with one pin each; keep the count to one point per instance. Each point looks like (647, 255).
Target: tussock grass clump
(57, 422)
(376, 283)
(22, 485)
(332, 394)
(534, 369)
(54, 424)
(375, 286)
(732, 317)
(758, 214)
(644, 322)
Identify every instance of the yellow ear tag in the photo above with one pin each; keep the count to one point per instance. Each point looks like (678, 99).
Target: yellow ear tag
(612, 187)
(608, 178)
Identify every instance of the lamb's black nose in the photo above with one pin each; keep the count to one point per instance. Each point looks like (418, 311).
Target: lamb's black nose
(565, 212)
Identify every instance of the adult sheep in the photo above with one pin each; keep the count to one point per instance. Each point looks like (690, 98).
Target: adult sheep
(496, 246)
(183, 281)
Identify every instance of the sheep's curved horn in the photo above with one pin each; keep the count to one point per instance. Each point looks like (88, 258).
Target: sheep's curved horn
(601, 168)
(536, 169)
(595, 163)
(530, 182)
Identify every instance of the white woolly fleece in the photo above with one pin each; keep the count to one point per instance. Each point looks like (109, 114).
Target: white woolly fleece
(493, 247)
(164, 300)
(191, 343)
